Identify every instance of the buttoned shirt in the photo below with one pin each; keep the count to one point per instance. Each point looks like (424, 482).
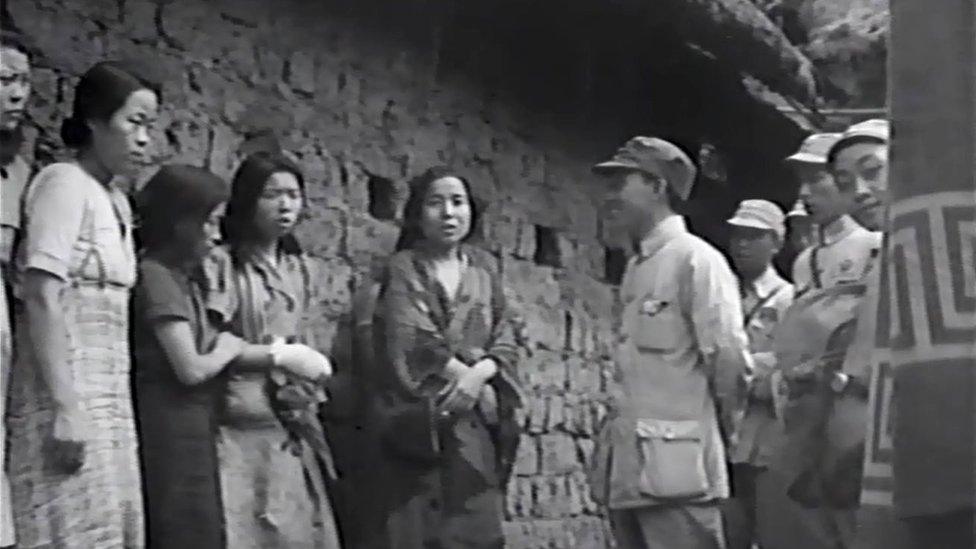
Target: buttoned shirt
(764, 301)
(844, 254)
(682, 346)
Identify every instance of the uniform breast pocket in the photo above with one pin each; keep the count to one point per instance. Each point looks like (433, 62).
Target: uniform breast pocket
(659, 326)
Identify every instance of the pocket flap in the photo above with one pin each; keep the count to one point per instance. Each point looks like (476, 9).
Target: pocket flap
(669, 429)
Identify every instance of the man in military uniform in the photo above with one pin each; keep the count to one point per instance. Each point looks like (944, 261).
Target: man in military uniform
(823, 324)
(808, 163)
(843, 250)
(682, 357)
(754, 513)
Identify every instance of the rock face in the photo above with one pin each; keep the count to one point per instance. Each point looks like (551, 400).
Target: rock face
(363, 108)
(847, 42)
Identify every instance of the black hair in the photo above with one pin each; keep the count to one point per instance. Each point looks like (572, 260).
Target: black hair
(177, 193)
(412, 231)
(100, 92)
(15, 41)
(249, 182)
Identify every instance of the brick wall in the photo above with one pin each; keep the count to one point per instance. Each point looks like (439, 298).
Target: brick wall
(365, 104)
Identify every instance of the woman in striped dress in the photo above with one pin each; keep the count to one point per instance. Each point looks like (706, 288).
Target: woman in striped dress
(74, 465)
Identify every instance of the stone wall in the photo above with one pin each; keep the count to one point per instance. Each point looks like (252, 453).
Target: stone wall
(365, 103)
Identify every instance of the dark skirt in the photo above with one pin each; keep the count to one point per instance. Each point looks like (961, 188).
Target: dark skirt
(179, 462)
(455, 503)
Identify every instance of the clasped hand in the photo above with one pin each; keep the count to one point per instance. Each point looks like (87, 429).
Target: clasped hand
(469, 384)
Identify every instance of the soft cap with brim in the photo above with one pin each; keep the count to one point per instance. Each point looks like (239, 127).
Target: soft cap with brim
(760, 214)
(814, 148)
(656, 157)
(876, 128)
(799, 210)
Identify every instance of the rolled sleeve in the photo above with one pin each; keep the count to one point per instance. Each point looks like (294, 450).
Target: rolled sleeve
(55, 209)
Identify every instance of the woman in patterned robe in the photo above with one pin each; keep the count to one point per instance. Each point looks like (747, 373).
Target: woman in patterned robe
(448, 387)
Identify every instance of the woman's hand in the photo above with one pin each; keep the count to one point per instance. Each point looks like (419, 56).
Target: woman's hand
(469, 386)
(301, 360)
(67, 446)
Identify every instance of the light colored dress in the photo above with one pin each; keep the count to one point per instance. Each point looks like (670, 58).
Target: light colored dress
(80, 231)
(272, 497)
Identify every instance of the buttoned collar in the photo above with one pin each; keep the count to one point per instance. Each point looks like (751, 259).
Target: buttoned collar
(838, 230)
(766, 283)
(661, 234)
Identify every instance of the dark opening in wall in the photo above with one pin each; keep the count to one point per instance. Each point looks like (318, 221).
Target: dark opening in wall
(568, 331)
(382, 198)
(546, 247)
(614, 263)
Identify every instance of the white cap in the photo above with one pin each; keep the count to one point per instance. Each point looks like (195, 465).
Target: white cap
(876, 128)
(760, 214)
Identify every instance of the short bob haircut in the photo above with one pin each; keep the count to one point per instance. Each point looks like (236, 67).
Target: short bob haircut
(412, 232)
(177, 193)
(101, 92)
(249, 182)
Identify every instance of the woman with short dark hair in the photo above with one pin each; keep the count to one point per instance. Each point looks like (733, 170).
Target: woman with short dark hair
(74, 464)
(448, 387)
(178, 356)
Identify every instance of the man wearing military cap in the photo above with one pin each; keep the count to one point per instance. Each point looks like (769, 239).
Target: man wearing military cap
(843, 251)
(858, 162)
(757, 232)
(682, 357)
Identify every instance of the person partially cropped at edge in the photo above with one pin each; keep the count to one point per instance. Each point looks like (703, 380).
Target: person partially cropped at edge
(448, 383)
(15, 89)
(273, 457)
(74, 463)
(825, 407)
(682, 356)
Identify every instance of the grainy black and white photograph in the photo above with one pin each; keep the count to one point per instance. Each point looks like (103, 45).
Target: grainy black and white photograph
(486, 274)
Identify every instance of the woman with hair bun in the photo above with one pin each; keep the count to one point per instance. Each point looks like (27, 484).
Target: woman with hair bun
(74, 463)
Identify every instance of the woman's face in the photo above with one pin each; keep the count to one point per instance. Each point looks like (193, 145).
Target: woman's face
(122, 142)
(446, 215)
(196, 239)
(278, 206)
(211, 226)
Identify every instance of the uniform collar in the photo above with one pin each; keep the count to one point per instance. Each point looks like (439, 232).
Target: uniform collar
(838, 230)
(766, 283)
(663, 232)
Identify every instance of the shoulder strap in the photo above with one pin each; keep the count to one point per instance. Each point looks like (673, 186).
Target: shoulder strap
(815, 267)
(759, 305)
